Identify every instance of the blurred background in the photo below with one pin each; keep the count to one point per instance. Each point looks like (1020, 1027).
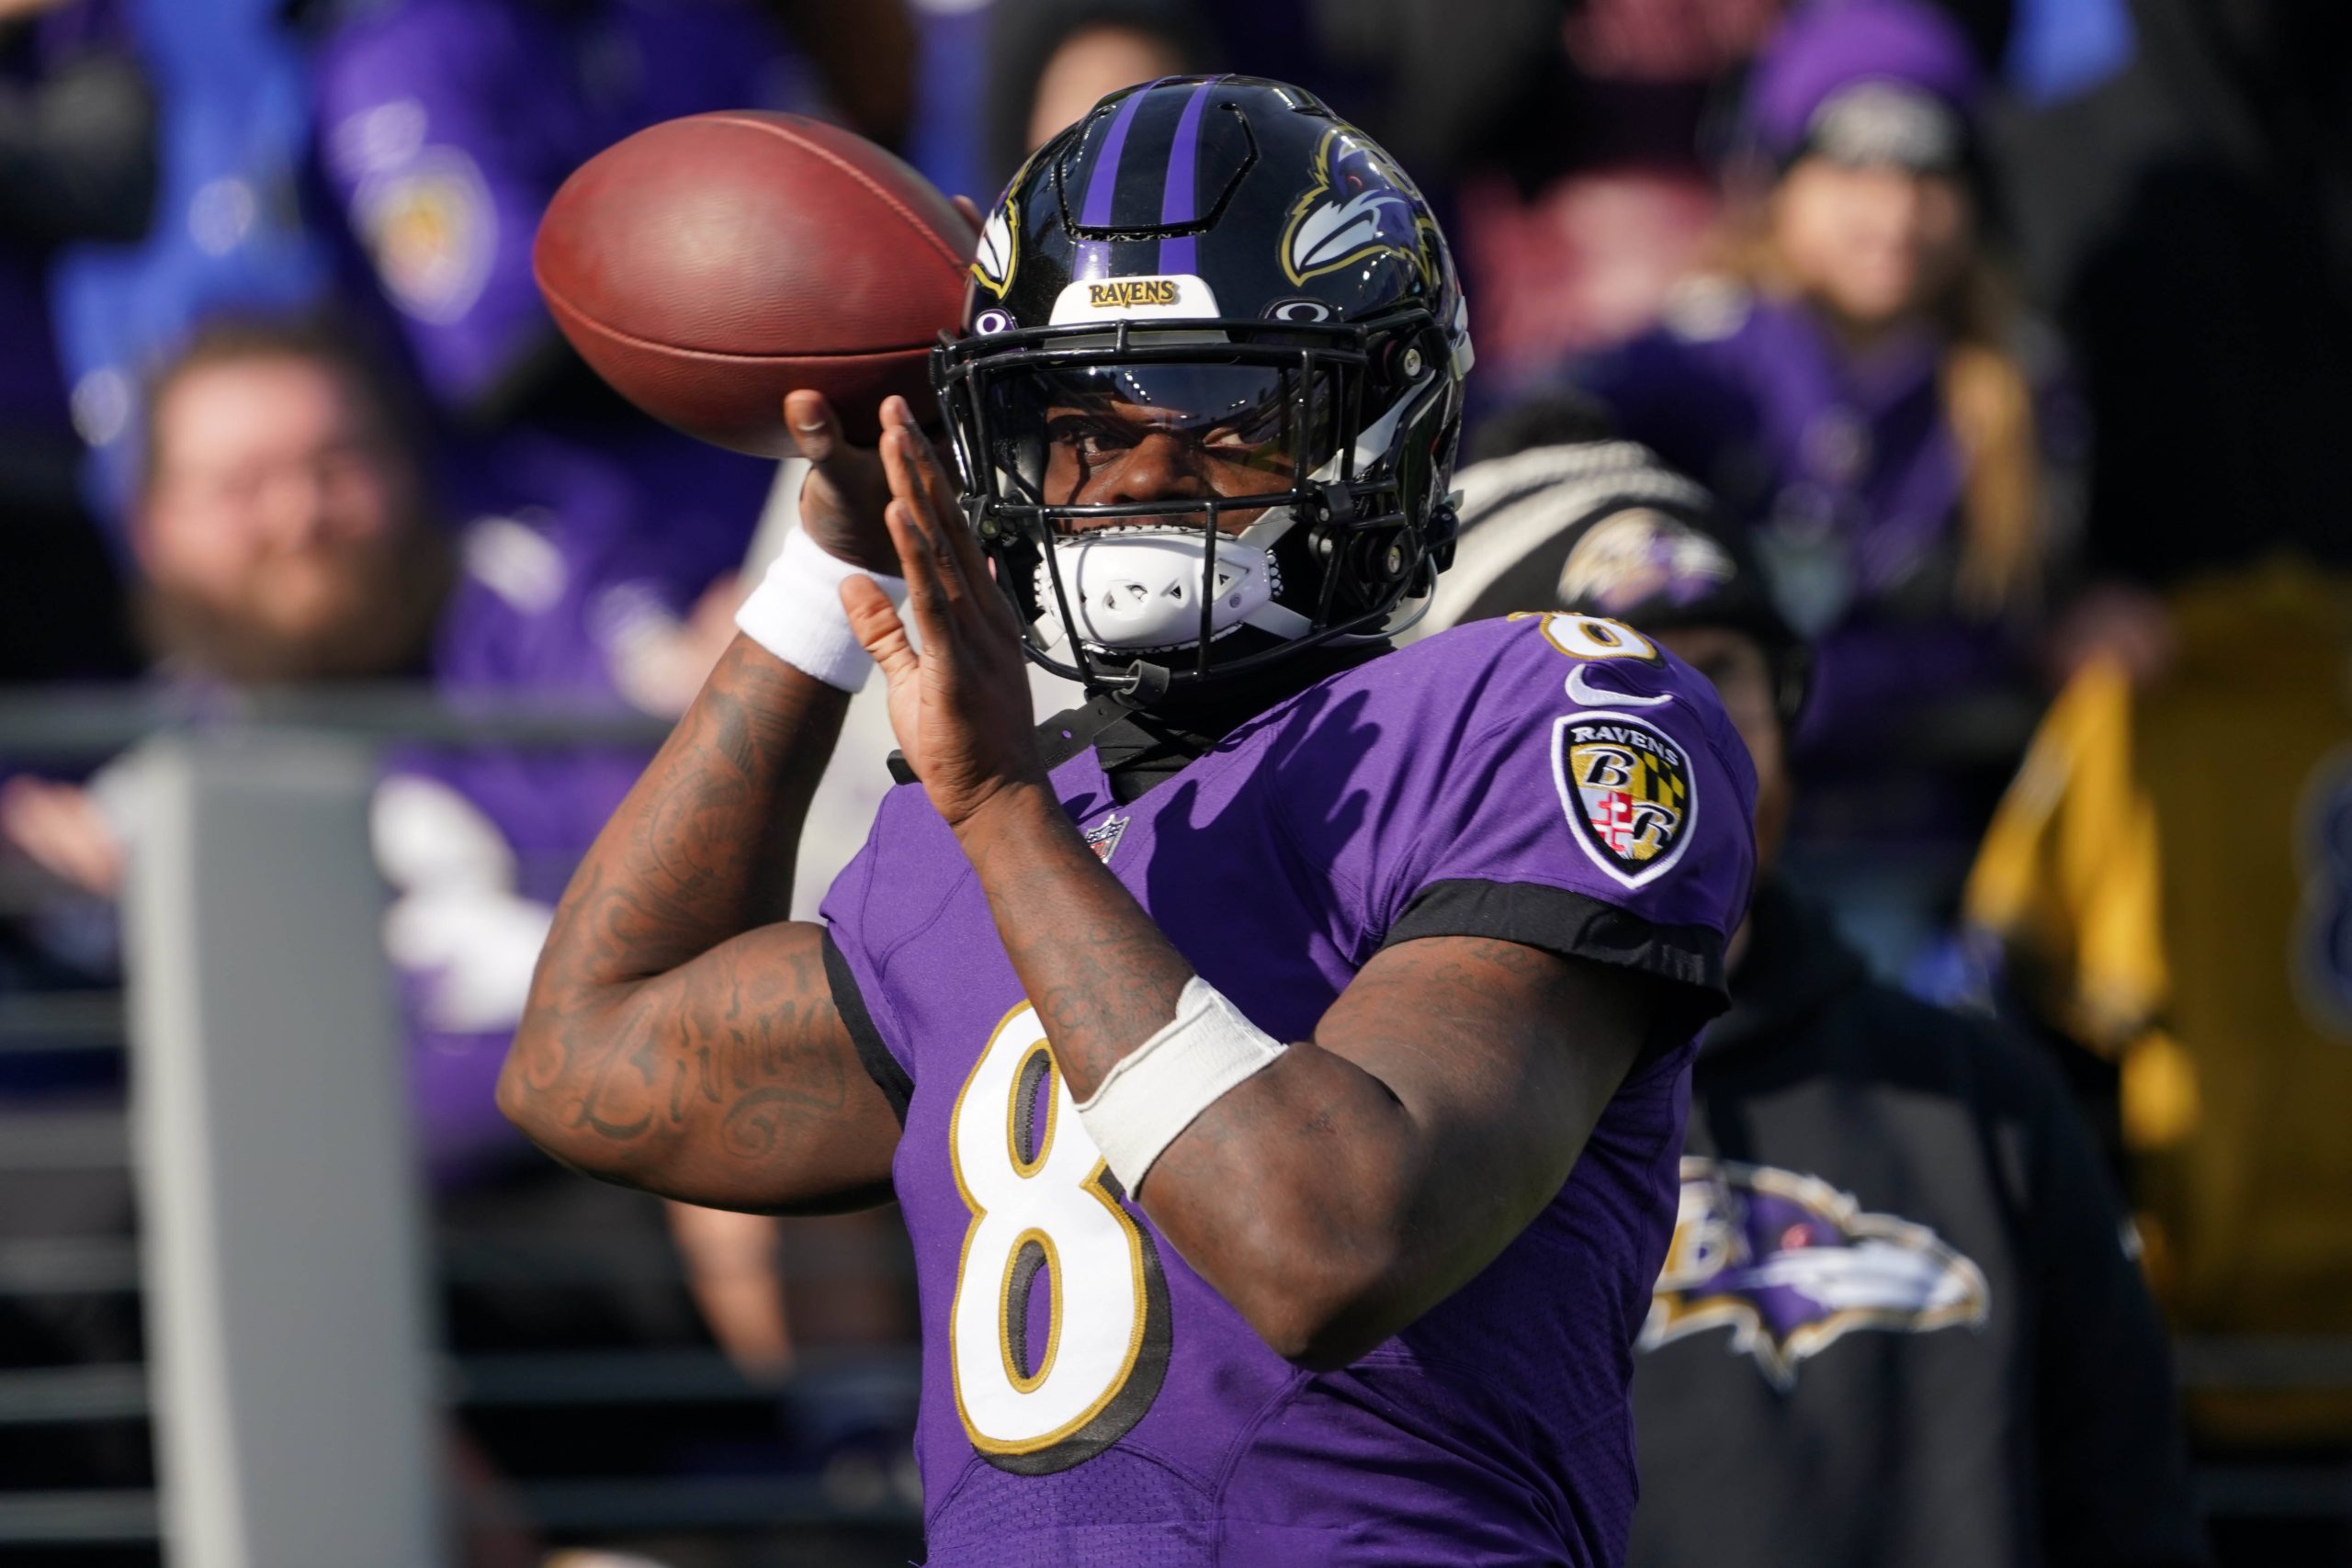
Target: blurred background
(339, 601)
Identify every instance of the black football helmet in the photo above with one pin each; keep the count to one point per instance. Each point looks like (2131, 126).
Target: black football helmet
(1220, 261)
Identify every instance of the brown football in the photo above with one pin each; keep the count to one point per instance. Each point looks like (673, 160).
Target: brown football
(708, 265)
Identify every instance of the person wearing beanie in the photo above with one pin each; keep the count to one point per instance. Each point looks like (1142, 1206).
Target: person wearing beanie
(1850, 375)
(1900, 1321)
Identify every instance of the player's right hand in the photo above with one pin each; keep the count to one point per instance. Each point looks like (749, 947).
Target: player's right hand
(843, 498)
(960, 706)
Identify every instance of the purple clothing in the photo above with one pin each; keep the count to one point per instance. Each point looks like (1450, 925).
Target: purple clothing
(448, 124)
(229, 232)
(1452, 787)
(442, 179)
(1821, 49)
(32, 387)
(556, 573)
(1849, 474)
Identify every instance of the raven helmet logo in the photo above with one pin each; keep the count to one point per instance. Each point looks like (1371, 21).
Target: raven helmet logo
(998, 257)
(1628, 792)
(1361, 206)
(1791, 1265)
(1639, 555)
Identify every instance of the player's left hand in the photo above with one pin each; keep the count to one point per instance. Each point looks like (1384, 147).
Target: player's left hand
(960, 706)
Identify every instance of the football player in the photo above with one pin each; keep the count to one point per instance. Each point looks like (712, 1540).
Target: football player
(1279, 1061)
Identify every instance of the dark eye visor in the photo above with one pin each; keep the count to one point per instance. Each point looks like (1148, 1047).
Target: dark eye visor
(1278, 418)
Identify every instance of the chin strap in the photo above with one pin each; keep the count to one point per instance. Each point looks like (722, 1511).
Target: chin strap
(1137, 590)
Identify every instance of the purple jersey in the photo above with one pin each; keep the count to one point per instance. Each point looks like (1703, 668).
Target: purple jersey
(1087, 1397)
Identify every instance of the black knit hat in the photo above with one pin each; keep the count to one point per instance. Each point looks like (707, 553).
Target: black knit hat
(1604, 528)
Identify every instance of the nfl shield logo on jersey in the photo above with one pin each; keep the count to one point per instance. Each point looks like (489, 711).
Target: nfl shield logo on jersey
(1105, 838)
(1628, 792)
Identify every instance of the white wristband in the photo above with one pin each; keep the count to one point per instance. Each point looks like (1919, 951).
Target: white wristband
(795, 612)
(1156, 1090)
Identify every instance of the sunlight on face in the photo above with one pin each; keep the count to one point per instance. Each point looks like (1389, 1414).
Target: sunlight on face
(1110, 453)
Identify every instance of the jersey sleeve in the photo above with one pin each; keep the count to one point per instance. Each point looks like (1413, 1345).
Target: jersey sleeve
(857, 941)
(889, 1076)
(1581, 793)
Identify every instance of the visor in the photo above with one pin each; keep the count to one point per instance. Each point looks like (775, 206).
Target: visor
(1079, 435)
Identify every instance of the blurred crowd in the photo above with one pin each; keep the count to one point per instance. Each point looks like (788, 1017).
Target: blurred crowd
(2009, 340)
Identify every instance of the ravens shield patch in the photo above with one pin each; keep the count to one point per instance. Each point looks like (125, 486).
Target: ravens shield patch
(1627, 790)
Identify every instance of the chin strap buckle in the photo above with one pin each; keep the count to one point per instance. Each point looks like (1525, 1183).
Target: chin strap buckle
(1444, 527)
(1340, 509)
(1340, 504)
(1146, 684)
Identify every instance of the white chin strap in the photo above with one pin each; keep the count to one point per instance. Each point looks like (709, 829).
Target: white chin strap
(1138, 590)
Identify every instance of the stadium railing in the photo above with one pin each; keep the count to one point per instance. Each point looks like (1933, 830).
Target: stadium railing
(292, 1383)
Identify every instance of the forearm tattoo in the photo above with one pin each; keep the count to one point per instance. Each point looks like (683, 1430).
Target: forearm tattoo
(673, 1004)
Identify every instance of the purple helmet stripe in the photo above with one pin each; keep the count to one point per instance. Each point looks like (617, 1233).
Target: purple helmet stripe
(1094, 255)
(1179, 253)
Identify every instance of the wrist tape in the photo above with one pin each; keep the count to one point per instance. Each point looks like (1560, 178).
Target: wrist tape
(795, 612)
(1156, 1090)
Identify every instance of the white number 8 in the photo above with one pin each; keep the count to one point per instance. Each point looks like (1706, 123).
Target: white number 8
(1044, 1215)
(1594, 636)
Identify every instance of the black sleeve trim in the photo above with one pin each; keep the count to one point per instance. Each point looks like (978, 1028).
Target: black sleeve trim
(1577, 925)
(880, 1066)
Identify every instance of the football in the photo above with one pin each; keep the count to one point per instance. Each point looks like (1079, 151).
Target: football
(706, 266)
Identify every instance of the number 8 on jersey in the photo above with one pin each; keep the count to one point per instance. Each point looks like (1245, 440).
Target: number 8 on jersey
(1061, 1323)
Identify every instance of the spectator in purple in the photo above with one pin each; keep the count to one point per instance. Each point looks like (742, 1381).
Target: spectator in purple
(1853, 381)
(286, 531)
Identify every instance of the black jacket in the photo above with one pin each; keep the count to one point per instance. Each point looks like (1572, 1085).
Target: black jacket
(1900, 1323)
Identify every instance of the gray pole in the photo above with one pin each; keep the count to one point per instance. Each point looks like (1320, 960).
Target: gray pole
(277, 1175)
